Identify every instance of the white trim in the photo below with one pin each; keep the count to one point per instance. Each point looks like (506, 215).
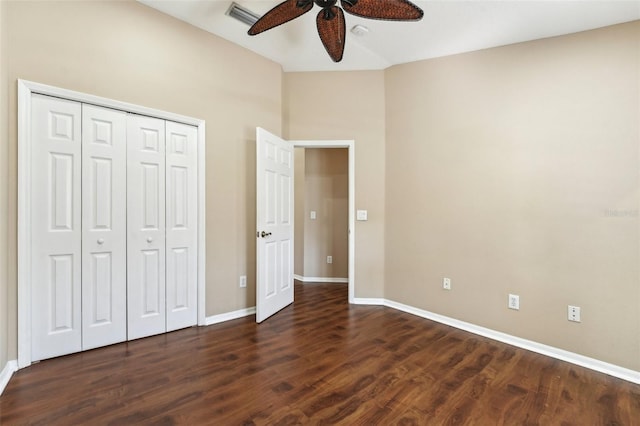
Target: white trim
(320, 279)
(24, 230)
(8, 370)
(351, 146)
(25, 90)
(368, 301)
(202, 222)
(215, 319)
(553, 352)
(86, 98)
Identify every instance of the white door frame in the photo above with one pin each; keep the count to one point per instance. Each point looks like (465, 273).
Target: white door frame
(25, 90)
(351, 146)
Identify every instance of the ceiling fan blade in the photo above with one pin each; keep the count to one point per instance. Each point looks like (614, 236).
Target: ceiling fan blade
(332, 31)
(282, 13)
(391, 10)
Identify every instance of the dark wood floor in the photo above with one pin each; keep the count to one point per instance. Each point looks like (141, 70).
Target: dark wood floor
(319, 361)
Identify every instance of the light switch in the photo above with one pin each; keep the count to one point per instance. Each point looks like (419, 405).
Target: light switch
(361, 215)
(312, 215)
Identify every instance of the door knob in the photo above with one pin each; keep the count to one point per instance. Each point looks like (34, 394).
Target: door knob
(100, 240)
(265, 234)
(149, 239)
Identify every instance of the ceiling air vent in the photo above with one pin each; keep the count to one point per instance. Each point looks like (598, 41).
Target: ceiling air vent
(241, 14)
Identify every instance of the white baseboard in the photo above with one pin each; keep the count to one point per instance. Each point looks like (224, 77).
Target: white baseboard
(368, 301)
(7, 372)
(574, 358)
(228, 316)
(320, 279)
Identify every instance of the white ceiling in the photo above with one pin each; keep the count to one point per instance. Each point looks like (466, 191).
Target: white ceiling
(448, 27)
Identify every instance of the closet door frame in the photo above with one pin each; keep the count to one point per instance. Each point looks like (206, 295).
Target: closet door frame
(25, 90)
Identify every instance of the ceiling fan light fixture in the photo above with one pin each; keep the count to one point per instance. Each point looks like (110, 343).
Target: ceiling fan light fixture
(242, 14)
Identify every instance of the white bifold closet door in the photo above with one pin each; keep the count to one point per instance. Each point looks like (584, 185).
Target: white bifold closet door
(78, 227)
(145, 222)
(162, 226)
(113, 226)
(181, 229)
(104, 226)
(56, 232)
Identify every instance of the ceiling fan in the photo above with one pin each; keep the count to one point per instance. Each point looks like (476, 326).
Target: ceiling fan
(330, 20)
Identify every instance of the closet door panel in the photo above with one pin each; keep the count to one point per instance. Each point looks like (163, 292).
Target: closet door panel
(146, 226)
(104, 226)
(55, 227)
(182, 218)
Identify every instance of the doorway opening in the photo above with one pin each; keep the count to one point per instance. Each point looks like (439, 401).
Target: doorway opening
(321, 215)
(323, 253)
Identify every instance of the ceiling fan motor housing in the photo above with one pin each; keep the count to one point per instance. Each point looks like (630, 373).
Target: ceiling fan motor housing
(325, 3)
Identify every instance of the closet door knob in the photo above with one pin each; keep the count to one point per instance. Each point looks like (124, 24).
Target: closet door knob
(149, 239)
(100, 240)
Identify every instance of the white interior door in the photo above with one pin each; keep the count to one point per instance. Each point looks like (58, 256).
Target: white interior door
(274, 204)
(145, 226)
(56, 326)
(182, 225)
(104, 226)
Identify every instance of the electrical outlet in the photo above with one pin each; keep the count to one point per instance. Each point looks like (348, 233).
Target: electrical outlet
(446, 283)
(573, 313)
(243, 281)
(514, 302)
(329, 259)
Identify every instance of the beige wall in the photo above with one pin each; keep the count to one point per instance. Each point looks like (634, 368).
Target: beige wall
(515, 169)
(348, 105)
(326, 191)
(4, 205)
(129, 52)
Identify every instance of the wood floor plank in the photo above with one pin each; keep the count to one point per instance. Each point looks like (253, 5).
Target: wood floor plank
(319, 361)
